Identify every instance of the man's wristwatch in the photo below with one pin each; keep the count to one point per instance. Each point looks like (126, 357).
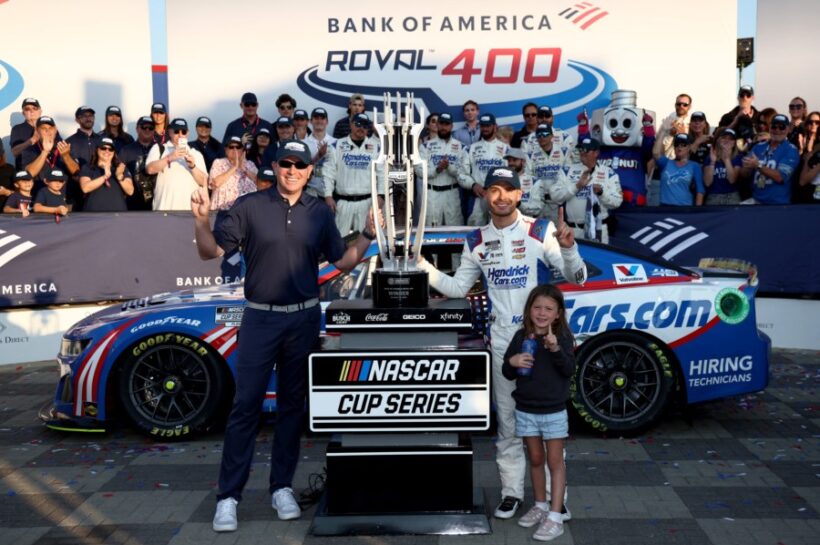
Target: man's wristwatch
(368, 236)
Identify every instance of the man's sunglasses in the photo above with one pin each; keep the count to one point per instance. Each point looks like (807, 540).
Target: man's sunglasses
(251, 104)
(300, 165)
(183, 132)
(778, 126)
(146, 127)
(530, 115)
(107, 148)
(234, 147)
(682, 104)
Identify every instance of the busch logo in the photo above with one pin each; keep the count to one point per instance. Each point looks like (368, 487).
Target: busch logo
(341, 318)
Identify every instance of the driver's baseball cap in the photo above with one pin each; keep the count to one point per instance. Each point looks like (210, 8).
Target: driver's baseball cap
(502, 176)
(294, 148)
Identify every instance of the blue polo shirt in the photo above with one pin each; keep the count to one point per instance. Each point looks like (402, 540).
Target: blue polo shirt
(784, 158)
(676, 181)
(19, 134)
(83, 146)
(239, 127)
(281, 244)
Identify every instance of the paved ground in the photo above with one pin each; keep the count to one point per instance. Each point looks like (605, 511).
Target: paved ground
(739, 471)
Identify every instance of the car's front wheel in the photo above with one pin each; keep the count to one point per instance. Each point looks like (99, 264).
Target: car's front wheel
(622, 383)
(173, 387)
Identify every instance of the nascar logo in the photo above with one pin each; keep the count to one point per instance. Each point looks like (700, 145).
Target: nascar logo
(384, 370)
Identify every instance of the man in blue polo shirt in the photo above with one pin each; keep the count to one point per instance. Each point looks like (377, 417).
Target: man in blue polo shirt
(773, 164)
(282, 231)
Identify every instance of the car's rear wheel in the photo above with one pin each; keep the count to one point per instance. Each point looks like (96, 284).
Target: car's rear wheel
(623, 382)
(172, 388)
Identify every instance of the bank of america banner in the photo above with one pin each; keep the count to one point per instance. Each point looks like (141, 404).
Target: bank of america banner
(102, 257)
(566, 54)
(779, 240)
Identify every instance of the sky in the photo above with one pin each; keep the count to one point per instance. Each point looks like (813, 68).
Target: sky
(746, 28)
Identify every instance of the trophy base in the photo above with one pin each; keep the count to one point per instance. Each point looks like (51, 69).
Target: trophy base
(400, 289)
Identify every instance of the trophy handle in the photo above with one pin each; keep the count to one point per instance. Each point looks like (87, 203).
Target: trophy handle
(415, 159)
(383, 241)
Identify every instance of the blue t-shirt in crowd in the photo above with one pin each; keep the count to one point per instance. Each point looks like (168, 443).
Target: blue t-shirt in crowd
(47, 198)
(16, 199)
(784, 158)
(720, 183)
(676, 182)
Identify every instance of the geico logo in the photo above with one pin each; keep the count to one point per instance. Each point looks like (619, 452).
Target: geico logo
(395, 403)
(414, 317)
(713, 366)
(647, 315)
(386, 370)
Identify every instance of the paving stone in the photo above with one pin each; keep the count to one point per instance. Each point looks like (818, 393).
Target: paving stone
(745, 502)
(606, 449)
(697, 449)
(21, 536)
(765, 531)
(719, 473)
(36, 510)
(62, 480)
(590, 473)
(154, 507)
(775, 428)
(784, 450)
(625, 502)
(161, 477)
(797, 473)
(627, 532)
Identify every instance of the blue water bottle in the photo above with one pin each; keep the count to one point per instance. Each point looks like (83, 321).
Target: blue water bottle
(528, 347)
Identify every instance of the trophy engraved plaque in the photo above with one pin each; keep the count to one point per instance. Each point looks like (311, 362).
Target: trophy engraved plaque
(399, 283)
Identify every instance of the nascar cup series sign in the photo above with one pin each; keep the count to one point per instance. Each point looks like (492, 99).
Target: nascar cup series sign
(570, 56)
(400, 391)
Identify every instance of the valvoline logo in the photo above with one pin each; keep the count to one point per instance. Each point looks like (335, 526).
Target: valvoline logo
(11, 84)
(444, 79)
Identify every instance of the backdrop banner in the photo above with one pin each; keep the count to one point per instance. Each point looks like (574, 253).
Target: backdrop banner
(102, 257)
(775, 238)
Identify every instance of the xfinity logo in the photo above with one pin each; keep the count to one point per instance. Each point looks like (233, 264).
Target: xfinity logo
(341, 318)
(381, 317)
(452, 316)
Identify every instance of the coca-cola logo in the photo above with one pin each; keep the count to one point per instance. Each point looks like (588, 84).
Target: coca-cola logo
(381, 317)
(341, 318)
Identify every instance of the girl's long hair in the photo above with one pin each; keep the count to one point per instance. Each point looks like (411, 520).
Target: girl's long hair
(561, 327)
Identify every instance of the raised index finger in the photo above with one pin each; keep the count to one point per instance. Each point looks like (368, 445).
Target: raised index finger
(560, 224)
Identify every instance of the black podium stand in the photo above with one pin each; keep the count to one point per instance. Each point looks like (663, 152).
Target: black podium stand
(401, 398)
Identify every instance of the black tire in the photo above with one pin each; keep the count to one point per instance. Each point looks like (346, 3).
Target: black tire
(623, 382)
(172, 386)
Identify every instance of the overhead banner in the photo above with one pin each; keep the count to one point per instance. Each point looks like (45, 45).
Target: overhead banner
(102, 257)
(568, 55)
(776, 239)
(69, 53)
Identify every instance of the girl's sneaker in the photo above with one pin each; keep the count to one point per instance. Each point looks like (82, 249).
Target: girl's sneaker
(548, 530)
(532, 517)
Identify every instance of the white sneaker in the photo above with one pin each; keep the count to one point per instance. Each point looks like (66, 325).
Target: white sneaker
(532, 517)
(285, 504)
(548, 530)
(225, 517)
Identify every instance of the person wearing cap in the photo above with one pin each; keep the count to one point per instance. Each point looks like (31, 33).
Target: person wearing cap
(265, 179)
(284, 131)
(259, 143)
(681, 181)
(743, 117)
(281, 232)
(469, 133)
(19, 202)
(179, 169)
(232, 176)
(84, 142)
(532, 196)
(588, 190)
(701, 138)
(135, 156)
(347, 176)
(115, 128)
(483, 156)
(446, 162)
(355, 106)
(51, 199)
(105, 181)
(249, 123)
(530, 114)
(318, 141)
(50, 151)
(159, 114)
(300, 125)
(722, 171)
(772, 165)
(492, 252)
(545, 163)
(24, 134)
(7, 173)
(210, 148)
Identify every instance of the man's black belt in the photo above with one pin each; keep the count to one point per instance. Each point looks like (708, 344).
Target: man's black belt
(351, 197)
(296, 307)
(442, 187)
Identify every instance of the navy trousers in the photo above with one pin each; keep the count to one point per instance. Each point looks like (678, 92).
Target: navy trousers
(268, 337)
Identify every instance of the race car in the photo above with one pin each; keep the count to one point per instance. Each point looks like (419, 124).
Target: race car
(647, 331)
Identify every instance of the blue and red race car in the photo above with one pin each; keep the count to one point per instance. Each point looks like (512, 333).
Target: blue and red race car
(648, 332)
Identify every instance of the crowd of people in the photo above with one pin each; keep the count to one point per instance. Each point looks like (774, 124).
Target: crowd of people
(752, 156)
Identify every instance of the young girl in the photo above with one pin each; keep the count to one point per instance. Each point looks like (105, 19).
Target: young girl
(542, 390)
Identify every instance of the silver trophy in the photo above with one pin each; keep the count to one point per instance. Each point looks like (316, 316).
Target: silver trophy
(399, 283)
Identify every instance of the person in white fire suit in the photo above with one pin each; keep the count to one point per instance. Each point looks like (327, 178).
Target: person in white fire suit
(483, 155)
(446, 159)
(513, 253)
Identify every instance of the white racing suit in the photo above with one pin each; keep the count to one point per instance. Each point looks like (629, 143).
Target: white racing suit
(483, 156)
(346, 173)
(561, 140)
(512, 260)
(443, 199)
(545, 168)
(581, 212)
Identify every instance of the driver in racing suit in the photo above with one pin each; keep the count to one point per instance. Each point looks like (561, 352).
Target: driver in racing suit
(513, 253)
